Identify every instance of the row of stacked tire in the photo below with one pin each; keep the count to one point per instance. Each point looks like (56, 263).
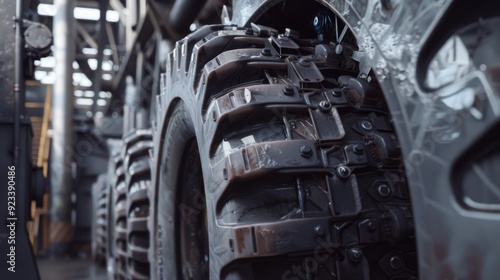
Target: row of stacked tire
(122, 202)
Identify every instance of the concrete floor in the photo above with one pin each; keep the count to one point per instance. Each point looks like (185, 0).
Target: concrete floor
(70, 269)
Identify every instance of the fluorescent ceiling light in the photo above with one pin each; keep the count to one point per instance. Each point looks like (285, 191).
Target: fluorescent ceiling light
(105, 94)
(46, 78)
(79, 13)
(107, 77)
(112, 16)
(48, 62)
(40, 75)
(92, 63)
(107, 66)
(101, 102)
(89, 51)
(79, 79)
(84, 101)
(46, 10)
(86, 13)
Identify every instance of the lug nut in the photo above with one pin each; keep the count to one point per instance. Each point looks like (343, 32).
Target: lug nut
(306, 151)
(305, 62)
(288, 90)
(266, 52)
(319, 230)
(395, 262)
(372, 226)
(355, 254)
(384, 190)
(339, 49)
(366, 125)
(325, 106)
(358, 149)
(343, 171)
(337, 92)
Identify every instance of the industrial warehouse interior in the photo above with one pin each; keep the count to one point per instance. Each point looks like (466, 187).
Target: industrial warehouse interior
(249, 139)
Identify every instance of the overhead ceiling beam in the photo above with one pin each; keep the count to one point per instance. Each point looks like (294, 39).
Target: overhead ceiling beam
(86, 36)
(118, 6)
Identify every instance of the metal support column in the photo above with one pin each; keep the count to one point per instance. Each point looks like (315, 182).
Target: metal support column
(101, 38)
(61, 229)
(18, 80)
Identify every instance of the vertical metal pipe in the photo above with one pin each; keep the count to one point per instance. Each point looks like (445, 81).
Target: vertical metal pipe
(18, 80)
(61, 229)
(101, 38)
(130, 106)
(139, 118)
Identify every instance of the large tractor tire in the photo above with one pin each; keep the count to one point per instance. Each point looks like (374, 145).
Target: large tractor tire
(274, 160)
(100, 199)
(116, 176)
(131, 212)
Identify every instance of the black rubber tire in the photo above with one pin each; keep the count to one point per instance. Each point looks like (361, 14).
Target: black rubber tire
(131, 207)
(138, 180)
(119, 235)
(275, 193)
(100, 200)
(115, 175)
(179, 177)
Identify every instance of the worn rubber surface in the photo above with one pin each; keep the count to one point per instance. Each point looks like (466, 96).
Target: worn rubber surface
(131, 207)
(301, 167)
(100, 237)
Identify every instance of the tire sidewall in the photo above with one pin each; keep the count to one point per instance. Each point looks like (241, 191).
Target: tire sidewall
(164, 210)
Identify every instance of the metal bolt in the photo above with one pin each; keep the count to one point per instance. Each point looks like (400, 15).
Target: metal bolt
(372, 226)
(395, 262)
(266, 52)
(345, 88)
(384, 190)
(249, 31)
(325, 106)
(358, 149)
(306, 151)
(339, 49)
(343, 171)
(337, 92)
(319, 230)
(305, 62)
(366, 125)
(288, 90)
(355, 254)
